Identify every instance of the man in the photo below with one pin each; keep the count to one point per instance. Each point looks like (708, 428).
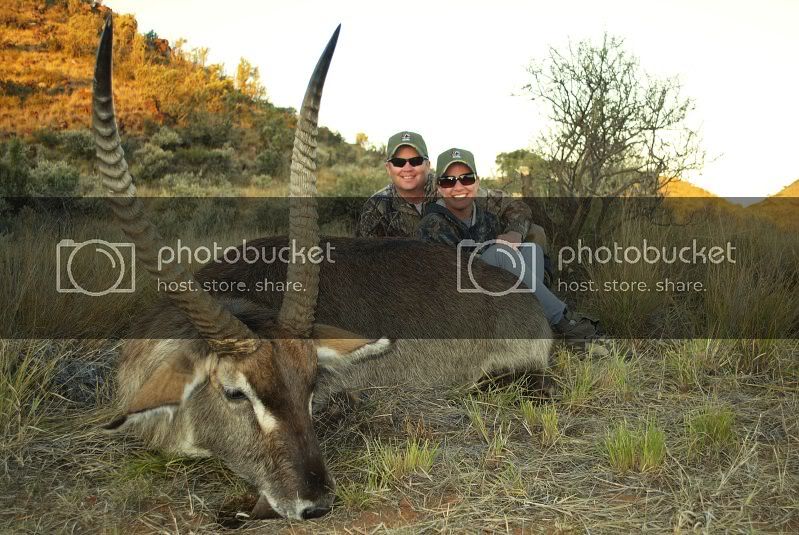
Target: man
(396, 210)
(456, 217)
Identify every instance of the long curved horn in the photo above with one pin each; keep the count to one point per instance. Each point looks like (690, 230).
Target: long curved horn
(224, 333)
(298, 308)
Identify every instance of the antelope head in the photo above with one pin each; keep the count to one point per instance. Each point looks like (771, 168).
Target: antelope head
(231, 393)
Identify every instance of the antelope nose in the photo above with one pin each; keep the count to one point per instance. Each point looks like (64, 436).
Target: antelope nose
(315, 511)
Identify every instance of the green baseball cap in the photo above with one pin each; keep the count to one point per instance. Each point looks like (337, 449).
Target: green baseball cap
(454, 155)
(412, 139)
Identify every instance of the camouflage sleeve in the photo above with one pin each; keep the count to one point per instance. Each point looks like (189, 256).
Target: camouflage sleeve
(371, 222)
(434, 228)
(513, 214)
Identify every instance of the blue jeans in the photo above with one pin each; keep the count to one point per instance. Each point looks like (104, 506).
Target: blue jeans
(532, 274)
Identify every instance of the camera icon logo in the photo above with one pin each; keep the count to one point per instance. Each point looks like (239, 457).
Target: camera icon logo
(119, 259)
(522, 261)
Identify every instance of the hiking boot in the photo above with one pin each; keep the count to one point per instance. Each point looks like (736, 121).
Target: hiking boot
(577, 328)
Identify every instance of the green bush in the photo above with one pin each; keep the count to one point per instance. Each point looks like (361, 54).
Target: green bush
(201, 160)
(166, 138)
(262, 181)
(193, 185)
(14, 89)
(47, 137)
(276, 133)
(182, 184)
(15, 169)
(53, 179)
(271, 162)
(355, 181)
(78, 143)
(209, 129)
(151, 162)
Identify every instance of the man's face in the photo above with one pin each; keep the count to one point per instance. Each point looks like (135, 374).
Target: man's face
(458, 196)
(408, 179)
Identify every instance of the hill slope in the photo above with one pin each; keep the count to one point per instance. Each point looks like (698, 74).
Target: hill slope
(180, 117)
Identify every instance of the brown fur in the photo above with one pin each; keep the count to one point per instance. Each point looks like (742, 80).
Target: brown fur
(374, 287)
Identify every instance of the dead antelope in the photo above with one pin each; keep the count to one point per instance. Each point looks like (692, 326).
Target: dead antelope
(235, 376)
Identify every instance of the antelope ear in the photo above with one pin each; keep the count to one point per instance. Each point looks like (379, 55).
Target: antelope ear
(337, 347)
(161, 394)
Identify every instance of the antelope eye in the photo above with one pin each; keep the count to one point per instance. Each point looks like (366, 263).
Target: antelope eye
(234, 394)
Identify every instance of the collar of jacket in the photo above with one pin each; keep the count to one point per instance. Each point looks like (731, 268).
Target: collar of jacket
(440, 208)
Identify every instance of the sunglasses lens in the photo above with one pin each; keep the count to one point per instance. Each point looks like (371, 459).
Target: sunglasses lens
(398, 162)
(416, 161)
(447, 182)
(467, 180)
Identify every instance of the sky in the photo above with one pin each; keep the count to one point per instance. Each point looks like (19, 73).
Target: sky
(454, 70)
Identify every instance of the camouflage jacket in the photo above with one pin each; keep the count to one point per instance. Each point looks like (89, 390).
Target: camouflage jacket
(387, 215)
(442, 226)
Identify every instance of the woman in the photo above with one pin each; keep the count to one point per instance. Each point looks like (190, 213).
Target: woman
(456, 217)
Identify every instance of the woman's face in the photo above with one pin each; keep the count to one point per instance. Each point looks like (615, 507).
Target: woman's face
(459, 196)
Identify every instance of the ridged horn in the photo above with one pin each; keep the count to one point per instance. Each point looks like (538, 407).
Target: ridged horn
(298, 308)
(224, 333)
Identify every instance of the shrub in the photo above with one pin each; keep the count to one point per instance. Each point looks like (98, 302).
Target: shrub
(151, 161)
(47, 137)
(81, 33)
(193, 185)
(202, 160)
(271, 162)
(78, 143)
(53, 179)
(354, 181)
(209, 129)
(166, 138)
(187, 184)
(262, 181)
(14, 169)
(14, 89)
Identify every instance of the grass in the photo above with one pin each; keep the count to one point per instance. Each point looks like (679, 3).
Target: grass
(711, 429)
(641, 449)
(622, 448)
(619, 374)
(25, 378)
(541, 418)
(391, 463)
(629, 442)
(578, 381)
(474, 411)
(416, 461)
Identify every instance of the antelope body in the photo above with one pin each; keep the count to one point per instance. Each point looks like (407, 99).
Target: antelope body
(235, 376)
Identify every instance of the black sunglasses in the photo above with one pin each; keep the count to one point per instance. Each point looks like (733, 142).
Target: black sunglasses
(416, 161)
(447, 182)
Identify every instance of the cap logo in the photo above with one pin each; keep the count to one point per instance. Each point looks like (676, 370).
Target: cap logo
(456, 154)
(406, 136)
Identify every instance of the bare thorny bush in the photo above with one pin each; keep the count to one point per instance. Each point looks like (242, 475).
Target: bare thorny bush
(615, 130)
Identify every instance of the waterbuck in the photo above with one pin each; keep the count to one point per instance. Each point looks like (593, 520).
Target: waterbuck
(234, 376)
